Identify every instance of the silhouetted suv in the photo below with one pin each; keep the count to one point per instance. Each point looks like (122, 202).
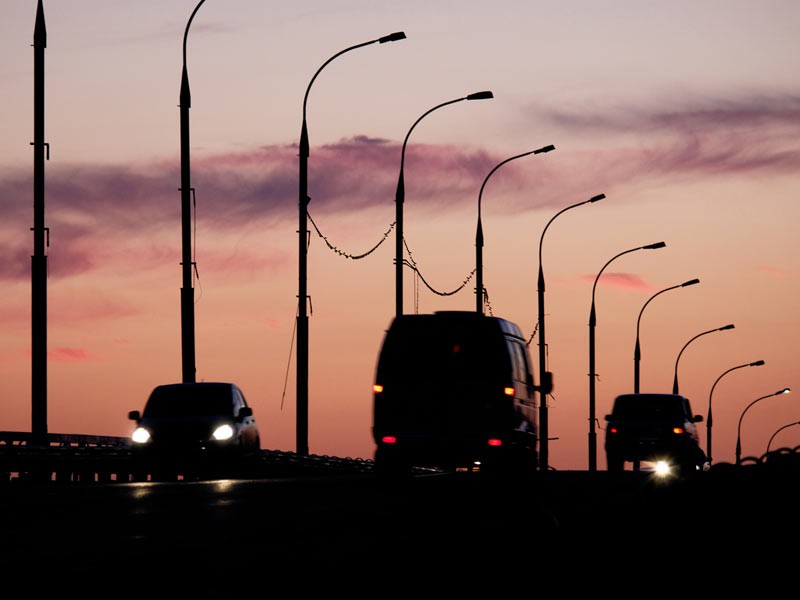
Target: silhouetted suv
(653, 428)
(195, 421)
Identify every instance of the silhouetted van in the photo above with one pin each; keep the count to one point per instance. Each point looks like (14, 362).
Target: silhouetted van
(455, 391)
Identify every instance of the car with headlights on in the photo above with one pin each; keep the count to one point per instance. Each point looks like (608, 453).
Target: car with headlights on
(654, 428)
(186, 425)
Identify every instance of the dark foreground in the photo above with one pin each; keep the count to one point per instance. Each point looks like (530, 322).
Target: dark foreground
(573, 529)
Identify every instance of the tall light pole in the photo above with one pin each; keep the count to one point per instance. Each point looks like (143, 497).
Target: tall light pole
(187, 290)
(777, 431)
(677, 360)
(302, 234)
(544, 376)
(709, 418)
(479, 296)
(400, 198)
(592, 375)
(637, 353)
(40, 241)
(739, 430)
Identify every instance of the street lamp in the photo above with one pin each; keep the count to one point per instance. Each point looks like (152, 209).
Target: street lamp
(675, 379)
(778, 431)
(479, 297)
(709, 418)
(546, 381)
(592, 326)
(739, 433)
(187, 291)
(302, 232)
(637, 354)
(400, 197)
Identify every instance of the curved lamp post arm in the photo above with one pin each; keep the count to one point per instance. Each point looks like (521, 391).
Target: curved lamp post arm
(778, 431)
(186, 31)
(393, 37)
(739, 428)
(592, 319)
(553, 218)
(479, 231)
(686, 345)
(637, 354)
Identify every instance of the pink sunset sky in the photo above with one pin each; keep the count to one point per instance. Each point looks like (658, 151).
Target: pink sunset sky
(686, 115)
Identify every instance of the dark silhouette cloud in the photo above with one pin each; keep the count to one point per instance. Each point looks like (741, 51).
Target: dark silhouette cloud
(101, 206)
(697, 137)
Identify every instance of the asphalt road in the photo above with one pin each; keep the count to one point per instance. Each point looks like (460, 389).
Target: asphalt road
(457, 531)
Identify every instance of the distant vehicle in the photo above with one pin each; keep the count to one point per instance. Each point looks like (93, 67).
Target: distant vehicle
(656, 428)
(454, 390)
(195, 421)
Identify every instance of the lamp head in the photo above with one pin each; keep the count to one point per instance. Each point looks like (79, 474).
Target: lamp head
(731, 326)
(596, 198)
(392, 37)
(690, 282)
(545, 149)
(758, 363)
(480, 95)
(654, 246)
(783, 391)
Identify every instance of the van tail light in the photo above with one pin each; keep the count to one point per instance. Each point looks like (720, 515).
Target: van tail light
(613, 430)
(495, 442)
(678, 430)
(508, 391)
(389, 439)
(377, 388)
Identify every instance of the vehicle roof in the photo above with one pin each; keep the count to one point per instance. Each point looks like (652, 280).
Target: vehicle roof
(450, 316)
(640, 405)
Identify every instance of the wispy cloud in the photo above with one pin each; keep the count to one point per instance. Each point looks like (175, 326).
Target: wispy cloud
(775, 272)
(132, 214)
(708, 136)
(69, 355)
(620, 280)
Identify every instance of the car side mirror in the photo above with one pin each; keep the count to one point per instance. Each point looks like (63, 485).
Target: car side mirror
(245, 412)
(134, 415)
(607, 417)
(698, 418)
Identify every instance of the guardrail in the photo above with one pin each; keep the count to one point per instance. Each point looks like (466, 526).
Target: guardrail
(102, 459)
(63, 440)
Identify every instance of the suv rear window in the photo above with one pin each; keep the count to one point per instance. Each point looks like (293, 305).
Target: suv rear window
(655, 406)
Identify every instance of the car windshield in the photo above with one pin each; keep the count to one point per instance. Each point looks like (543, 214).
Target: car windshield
(180, 402)
(652, 406)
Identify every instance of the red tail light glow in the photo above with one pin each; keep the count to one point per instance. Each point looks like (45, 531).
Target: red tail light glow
(495, 442)
(389, 439)
(613, 430)
(678, 430)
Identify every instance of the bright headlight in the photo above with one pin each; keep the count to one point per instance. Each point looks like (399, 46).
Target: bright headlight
(662, 468)
(223, 432)
(140, 435)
